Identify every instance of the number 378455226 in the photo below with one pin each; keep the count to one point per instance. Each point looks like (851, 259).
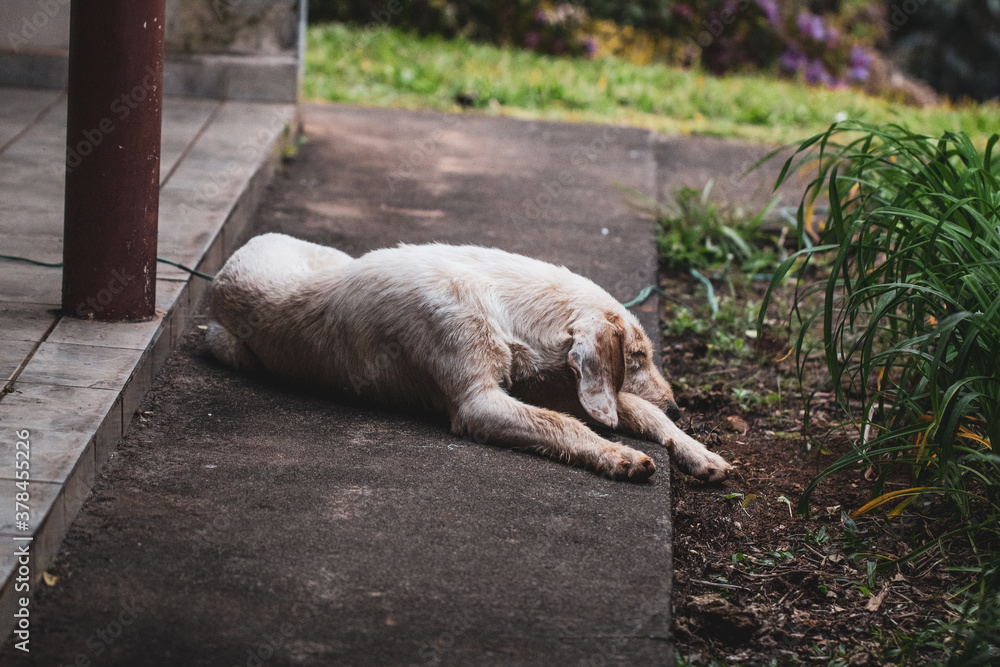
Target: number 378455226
(22, 465)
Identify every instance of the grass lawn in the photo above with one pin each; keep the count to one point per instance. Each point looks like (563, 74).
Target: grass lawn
(383, 67)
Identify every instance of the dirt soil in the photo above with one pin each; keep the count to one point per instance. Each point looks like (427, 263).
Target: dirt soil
(754, 584)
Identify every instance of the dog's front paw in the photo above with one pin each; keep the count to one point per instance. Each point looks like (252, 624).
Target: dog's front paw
(626, 464)
(703, 464)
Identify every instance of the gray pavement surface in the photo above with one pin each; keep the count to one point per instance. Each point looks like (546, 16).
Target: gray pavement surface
(241, 522)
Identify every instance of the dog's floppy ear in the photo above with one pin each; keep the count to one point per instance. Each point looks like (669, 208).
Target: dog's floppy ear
(598, 362)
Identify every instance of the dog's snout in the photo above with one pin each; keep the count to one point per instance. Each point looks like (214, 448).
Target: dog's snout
(673, 411)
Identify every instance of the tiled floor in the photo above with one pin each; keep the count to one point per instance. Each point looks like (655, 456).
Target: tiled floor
(74, 384)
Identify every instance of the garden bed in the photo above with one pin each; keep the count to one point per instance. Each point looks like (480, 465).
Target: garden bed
(755, 584)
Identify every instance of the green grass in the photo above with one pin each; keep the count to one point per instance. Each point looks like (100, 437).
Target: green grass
(383, 67)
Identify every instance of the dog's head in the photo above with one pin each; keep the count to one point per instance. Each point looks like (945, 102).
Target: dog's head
(612, 354)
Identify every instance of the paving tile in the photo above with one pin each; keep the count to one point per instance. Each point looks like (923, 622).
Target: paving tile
(54, 454)
(47, 521)
(80, 481)
(182, 314)
(8, 563)
(43, 497)
(12, 354)
(130, 335)
(187, 231)
(44, 145)
(182, 119)
(242, 129)
(40, 246)
(22, 105)
(171, 295)
(31, 186)
(86, 366)
(49, 408)
(198, 198)
(8, 568)
(19, 107)
(167, 292)
(109, 433)
(26, 283)
(25, 321)
(136, 387)
(47, 181)
(27, 213)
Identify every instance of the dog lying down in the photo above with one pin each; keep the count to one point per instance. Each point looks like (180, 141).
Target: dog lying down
(517, 351)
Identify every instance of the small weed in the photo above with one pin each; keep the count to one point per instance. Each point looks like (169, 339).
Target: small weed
(696, 233)
(782, 499)
(725, 336)
(818, 538)
(744, 397)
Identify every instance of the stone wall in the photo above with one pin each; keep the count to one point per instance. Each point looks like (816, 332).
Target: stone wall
(228, 49)
(257, 27)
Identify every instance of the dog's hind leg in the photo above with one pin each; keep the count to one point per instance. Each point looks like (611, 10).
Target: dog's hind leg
(492, 415)
(229, 349)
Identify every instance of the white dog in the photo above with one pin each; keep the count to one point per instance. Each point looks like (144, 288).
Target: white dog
(509, 347)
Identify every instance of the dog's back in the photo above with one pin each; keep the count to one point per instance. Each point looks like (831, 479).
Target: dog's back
(395, 323)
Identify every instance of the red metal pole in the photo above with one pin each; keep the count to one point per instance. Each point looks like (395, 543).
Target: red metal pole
(113, 159)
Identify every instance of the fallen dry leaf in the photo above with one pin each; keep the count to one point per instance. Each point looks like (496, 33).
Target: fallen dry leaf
(738, 424)
(876, 601)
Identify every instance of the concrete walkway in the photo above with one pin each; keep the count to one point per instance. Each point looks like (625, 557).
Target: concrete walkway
(73, 385)
(239, 522)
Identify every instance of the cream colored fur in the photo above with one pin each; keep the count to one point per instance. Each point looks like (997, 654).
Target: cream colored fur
(516, 351)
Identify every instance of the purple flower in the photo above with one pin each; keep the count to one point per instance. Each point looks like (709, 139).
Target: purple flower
(816, 72)
(770, 9)
(832, 35)
(860, 58)
(683, 11)
(589, 47)
(857, 73)
(792, 60)
(859, 63)
(558, 46)
(541, 17)
(811, 26)
(531, 39)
